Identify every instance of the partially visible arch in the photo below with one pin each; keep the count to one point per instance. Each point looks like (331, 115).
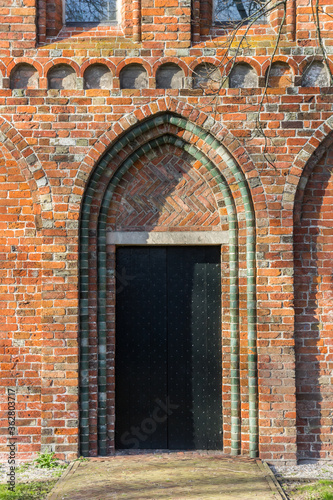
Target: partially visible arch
(2, 70)
(303, 165)
(313, 296)
(303, 197)
(30, 167)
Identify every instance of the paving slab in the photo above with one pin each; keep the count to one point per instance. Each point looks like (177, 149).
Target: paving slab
(177, 476)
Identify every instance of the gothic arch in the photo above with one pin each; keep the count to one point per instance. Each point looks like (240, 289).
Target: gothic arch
(312, 216)
(186, 111)
(304, 163)
(168, 128)
(30, 166)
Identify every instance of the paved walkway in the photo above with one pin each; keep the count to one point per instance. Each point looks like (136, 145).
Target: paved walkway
(164, 476)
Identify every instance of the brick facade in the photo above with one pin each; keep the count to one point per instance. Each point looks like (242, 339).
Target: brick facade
(313, 312)
(78, 162)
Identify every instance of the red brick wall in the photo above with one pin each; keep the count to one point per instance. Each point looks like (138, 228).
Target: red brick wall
(314, 318)
(20, 292)
(52, 142)
(17, 28)
(54, 18)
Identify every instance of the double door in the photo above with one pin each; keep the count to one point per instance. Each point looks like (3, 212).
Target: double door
(168, 374)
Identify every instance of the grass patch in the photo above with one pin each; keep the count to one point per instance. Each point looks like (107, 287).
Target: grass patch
(48, 461)
(27, 491)
(321, 490)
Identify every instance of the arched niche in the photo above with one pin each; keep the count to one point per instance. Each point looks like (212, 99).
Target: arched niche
(61, 76)
(97, 76)
(279, 75)
(169, 76)
(206, 76)
(243, 75)
(133, 76)
(24, 76)
(313, 301)
(316, 74)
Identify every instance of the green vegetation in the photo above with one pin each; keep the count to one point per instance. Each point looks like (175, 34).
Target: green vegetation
(319, 490)
(82, 459)
(322, 490)
(23, 467)
(48, 461)
(27, 491)
(35, 490)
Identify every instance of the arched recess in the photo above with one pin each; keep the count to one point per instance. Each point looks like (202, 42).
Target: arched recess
(313, 292)
(307, 158)
(166, 128)
(30, 167)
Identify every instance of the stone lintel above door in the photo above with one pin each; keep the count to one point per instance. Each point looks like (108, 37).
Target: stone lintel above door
(167, 238)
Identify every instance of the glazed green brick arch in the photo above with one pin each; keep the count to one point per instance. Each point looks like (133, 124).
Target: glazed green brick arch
(233, 259)
(167, 139)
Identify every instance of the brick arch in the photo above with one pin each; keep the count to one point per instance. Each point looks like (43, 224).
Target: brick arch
(133, 60)
(25, 60)
(193, 115)
(2, 69)
(61, 60)
(222, 165)
(284, 59)
(316, 58)
(304, 163)
(97, 60)
(203, 60)
(30, 167)
(313, 300)
(247, 60)
(170, 60)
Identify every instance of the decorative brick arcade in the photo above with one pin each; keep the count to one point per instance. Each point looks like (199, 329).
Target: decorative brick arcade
(115, 127)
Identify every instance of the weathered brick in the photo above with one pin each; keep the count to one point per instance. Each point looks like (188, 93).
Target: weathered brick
(52, 141)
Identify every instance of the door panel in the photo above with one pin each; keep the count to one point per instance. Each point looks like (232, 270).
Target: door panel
(180, 369)
(140, 346)
(168, 348)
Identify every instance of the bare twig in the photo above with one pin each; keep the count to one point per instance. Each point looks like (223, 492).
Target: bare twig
(315, 14)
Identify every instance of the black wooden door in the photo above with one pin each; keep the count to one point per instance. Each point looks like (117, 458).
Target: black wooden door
(168, 348)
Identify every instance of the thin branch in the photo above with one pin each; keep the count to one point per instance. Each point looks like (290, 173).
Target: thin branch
(258, 122)
(315, 13)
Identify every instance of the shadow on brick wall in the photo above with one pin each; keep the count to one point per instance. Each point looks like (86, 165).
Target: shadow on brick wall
(313, 314)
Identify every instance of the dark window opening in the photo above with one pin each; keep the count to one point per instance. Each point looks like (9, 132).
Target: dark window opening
(239, 11)
(90, 11)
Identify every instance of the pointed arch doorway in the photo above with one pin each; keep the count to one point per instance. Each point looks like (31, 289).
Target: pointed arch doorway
(168, 353)
(106, 211)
